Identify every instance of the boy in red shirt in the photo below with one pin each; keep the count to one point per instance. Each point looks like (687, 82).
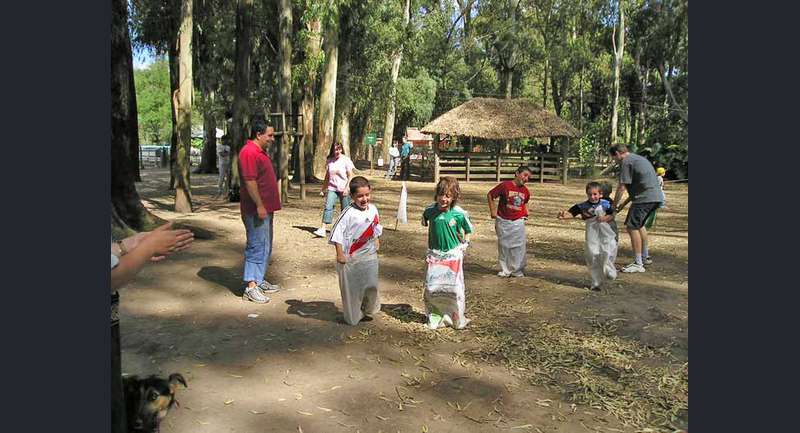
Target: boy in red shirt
(509, 223)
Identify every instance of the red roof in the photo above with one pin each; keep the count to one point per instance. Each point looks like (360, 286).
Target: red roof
(413, 134)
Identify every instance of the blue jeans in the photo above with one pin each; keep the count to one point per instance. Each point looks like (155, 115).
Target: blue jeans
(259, 247)
(330, 203)
(393, 163)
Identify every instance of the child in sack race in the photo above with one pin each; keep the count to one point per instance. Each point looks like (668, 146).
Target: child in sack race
(356, 236)
(448, 230)
(510, 217)
(601, 245)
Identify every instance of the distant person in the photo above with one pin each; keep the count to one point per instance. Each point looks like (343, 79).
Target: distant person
(448, 237)
(509, 223)
(128, 257)
(600, 245)
(638, 178)
(394, 160)
(651, 220)
(338, 172)
(260, 199)
(405, 159)
(356, 236)
(223, 164)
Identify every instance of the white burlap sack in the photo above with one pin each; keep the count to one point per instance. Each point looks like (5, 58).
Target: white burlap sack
(358, 282)
(511, 244)
(601, 249)
(444, 288)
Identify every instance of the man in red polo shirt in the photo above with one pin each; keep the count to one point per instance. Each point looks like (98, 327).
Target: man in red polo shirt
(259, 200)
(510, 222)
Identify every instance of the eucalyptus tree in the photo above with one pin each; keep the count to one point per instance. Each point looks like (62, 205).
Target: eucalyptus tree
(183, 111)
(127, 211)
(397, 57)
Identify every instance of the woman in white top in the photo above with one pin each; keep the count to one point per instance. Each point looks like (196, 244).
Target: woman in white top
(339, 171)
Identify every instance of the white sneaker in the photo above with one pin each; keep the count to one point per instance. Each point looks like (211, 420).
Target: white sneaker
(517, 274)
(503, 274)
(647, 261)
(320, 232)
(633, 267)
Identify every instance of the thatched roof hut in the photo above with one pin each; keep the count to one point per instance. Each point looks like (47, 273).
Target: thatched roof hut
(500, 119)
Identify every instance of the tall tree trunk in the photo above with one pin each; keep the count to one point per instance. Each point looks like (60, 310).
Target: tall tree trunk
(286, 94)
(173, 89)
(327, 99)
(134, 144)
(509, 79)
(580, 106)
(631, 123)
(544, 82)
(343, 129)
(388, 125)
(664, 73)
(465, 9)
(183, 188)
(240, 122)
(312, 48)
(619, 50)
(344, 102)
(126, 206)
(208, 163)
(640, 130)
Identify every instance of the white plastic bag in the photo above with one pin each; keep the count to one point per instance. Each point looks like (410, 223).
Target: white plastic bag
(444, 288)
(511, 244)
(358, 282)
(601, 249)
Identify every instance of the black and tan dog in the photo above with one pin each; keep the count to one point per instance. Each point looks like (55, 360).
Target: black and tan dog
(148, 400)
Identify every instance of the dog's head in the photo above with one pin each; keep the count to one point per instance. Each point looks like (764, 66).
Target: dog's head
(148, 400)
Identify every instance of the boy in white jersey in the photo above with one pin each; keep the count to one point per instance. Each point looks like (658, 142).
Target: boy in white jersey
(356, 236)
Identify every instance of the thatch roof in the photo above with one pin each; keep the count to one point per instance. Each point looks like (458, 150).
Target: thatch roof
(500, 119)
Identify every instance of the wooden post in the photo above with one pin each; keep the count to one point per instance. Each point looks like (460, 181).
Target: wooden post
(497, 164)
(285, 139)
(469, 152)
(564, 160)
(436, 158)
(301, 163)
(369, 151)
(541, 167)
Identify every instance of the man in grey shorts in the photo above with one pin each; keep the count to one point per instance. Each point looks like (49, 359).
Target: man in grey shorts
(638, 177)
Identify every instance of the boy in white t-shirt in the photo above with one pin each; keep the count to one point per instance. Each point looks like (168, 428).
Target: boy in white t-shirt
(356, 236)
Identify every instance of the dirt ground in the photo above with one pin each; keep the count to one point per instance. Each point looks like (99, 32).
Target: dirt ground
(534, 359)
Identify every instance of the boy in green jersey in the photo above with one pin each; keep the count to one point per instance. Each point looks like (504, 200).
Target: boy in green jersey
(448, 236)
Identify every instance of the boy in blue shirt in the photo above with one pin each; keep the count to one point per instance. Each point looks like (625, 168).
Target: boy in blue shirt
(601, 246)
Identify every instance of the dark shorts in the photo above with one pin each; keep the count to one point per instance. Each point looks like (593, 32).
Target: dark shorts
(638, 214)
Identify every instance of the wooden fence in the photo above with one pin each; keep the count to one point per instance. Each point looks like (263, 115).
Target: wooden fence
(492, 166)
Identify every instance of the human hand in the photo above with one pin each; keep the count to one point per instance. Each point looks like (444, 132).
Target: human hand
(262, 212)
(341, 258)
(562, 215)
(164, 241)
(322, 193)
(493, 215)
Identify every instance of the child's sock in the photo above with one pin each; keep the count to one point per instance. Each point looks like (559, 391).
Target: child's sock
(645, 253)
(638, 259)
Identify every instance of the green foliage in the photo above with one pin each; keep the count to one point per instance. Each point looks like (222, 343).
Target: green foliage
(557, 52)
(153, 100)
(415, 98)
